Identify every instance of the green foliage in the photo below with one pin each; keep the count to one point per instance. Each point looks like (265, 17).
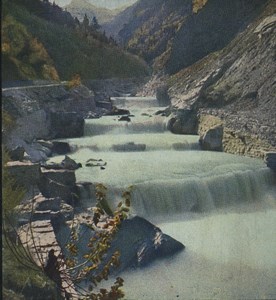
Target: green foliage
(198, 5)
(105, 225)
(72, 51)
(24, 52)
(23, 281)
(74, 82)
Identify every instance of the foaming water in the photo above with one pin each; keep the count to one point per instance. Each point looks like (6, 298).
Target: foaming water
(141, 121)
(227, 256)
(157, 141)
(134, 102)
(222, 207)
(168, 182)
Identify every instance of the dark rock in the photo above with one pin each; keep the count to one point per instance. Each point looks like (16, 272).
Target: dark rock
(124, 118)
(162, 96)
(184, 121)
(66, 124)
(46, 151)
(26, 173)
(46, 144)
(69, 164)
(41, 208)
(212, 139)
(270, 159)
(129, 147)
(61, 148)
(138, 241)
(118, 111)
(92, 115)
(164, 112)
(17, 153)
(104, 104)
(95, 163)
(58, 183)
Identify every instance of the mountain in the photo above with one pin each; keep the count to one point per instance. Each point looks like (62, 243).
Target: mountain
(237, 84)
(78, 8)
(109, 4)
(39, 45)
(174, 34)
(112, 4)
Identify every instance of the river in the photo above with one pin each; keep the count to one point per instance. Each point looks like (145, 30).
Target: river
(222, 207)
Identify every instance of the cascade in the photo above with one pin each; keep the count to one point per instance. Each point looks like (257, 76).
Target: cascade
(222, 207)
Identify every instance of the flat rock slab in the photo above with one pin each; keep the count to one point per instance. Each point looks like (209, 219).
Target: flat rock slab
(39, 238)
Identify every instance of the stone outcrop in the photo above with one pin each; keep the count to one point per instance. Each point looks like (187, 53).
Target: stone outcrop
(162, 95)
(58, 183)
(66, 125)
(236, 85)
(212, 139)
(138, 241)
(183, 121)
(40, 208)
(66, 164)
(31, 238)
(44, 112)
(270, 159)
(233, 141)
(26, 173)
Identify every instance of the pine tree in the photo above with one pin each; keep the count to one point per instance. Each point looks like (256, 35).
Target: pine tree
(95, 24)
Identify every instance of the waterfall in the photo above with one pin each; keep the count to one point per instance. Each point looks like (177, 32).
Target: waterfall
(195, 194)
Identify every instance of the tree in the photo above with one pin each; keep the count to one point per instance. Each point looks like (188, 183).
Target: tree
(95, 24)
(85, 22)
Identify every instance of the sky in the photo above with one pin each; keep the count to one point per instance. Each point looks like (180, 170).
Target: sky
(111, 4)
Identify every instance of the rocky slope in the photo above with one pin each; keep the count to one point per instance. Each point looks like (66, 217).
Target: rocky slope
(235, 84)
(172, 35)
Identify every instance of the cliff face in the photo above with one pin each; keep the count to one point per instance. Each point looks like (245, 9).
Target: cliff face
(236, 83)
(174, 34)
(211, 29)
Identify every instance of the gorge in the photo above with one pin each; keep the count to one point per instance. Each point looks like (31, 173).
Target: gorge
(180, 147)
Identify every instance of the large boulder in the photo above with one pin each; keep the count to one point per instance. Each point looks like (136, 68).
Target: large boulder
(66, 124)
(183, 121)
(162, 96)
(270, 159)
(212, 139)
(58, 183)
(138, 241)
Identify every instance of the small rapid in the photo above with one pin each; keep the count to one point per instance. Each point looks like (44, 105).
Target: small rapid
(222, 207)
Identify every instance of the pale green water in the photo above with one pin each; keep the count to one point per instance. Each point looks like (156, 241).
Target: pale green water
(222, 207)
(156, 141)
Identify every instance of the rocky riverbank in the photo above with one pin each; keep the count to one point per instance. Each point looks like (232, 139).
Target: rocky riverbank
(236, 85)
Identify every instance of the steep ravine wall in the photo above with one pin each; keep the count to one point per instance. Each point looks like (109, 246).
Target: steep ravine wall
(236, 85)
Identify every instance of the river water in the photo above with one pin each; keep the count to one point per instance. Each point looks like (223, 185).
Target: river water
(222, 207)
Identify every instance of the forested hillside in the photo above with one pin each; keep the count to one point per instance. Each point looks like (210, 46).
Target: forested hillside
(41, 41)
(174, 34)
